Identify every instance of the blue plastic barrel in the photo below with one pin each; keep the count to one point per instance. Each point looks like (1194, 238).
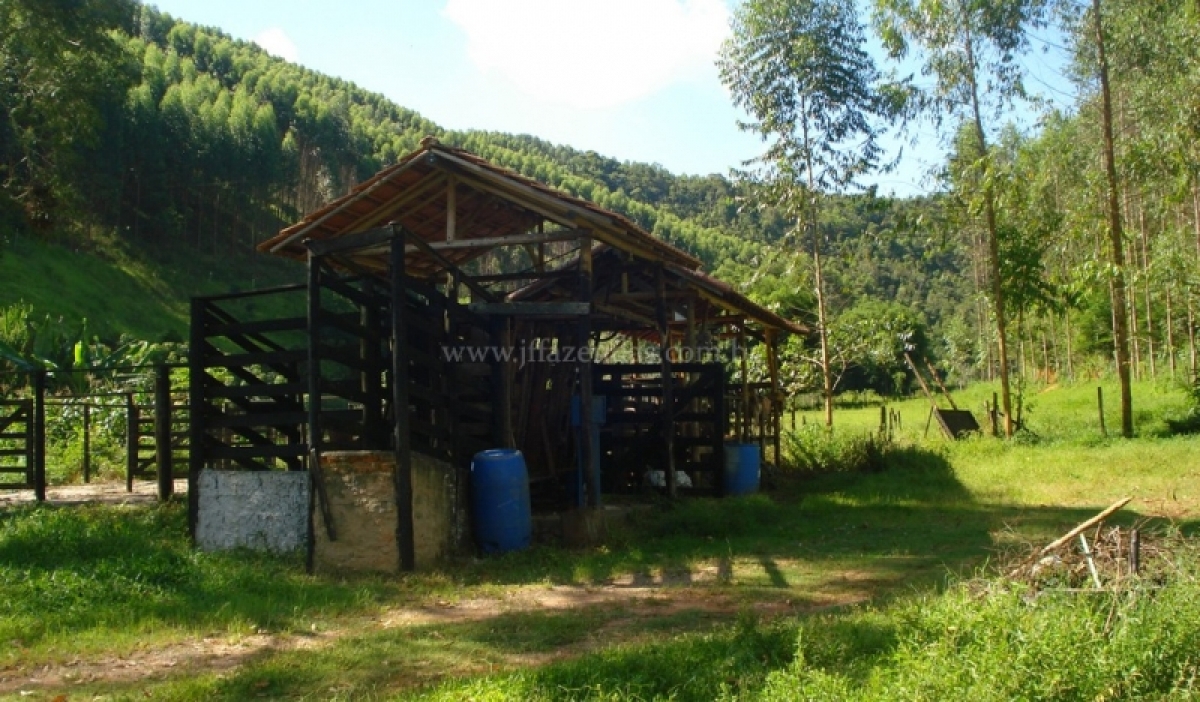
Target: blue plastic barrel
(500, 501)
(741, 468)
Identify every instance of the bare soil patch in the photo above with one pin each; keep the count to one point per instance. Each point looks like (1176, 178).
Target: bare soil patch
(113, 493)
(633, 605)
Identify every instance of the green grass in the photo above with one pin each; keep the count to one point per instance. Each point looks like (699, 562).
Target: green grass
(143, 292)
(882, 547)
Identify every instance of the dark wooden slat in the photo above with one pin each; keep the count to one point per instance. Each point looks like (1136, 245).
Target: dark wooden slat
(232, 329)
(263, 358)
(273, 451)
(264, 419)
(251, 391)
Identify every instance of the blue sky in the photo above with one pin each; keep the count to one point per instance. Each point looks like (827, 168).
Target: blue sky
(630, 79)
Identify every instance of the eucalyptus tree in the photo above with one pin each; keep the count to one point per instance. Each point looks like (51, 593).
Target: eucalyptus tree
(59, 68)
(1115, 234)
(971, 50)
(813, 94)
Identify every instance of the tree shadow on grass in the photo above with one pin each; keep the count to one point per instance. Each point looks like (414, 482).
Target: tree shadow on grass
(911, 524)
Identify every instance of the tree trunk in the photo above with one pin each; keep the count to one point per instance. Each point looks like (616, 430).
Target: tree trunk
(1116, 235)
(1170, 334)
(1149, 292)
(819, 281)
(993, 236)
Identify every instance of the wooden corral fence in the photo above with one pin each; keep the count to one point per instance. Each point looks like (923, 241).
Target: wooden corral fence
(17, 444)
(637, 433)
(156, 432)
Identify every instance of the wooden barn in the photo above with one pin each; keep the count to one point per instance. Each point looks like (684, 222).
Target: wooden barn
(453, 306)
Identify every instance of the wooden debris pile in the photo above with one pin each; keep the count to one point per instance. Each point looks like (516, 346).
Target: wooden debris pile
(1093, 557)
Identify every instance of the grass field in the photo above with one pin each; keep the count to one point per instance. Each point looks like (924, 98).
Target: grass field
(830, 587)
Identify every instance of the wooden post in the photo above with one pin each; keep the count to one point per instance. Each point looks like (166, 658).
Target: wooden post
(402, 438)
(883, 421)
(945, 393)
(668, 380)
(995, 413)
(315, 437)
(162, 431)
(133, 420)
(197, 407)
(1100, 405)
(376, 435)
(591, 471)
(1135, 551)
(87, 443)
(746, 418)
(39, 434)
(451, 208)
(776, 419)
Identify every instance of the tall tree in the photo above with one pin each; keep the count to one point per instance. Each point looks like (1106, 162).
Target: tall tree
(971, 48)
(59, 66)
(1116, 236)
(799, 69)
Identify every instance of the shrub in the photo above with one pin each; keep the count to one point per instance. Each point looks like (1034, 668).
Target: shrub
(812, 449)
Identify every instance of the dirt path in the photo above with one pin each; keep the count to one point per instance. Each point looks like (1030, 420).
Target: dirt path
(633, 603)
(627, 601)
(144, 492)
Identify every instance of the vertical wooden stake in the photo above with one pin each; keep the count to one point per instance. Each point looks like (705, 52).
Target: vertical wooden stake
(995, 415)
(587, 425)
(162, 431)
(1100, 405)
(402, 477)
(196, 410)
(1135, 552)
(668, 380)
(133, 421)
(87, 443)
(39, 434)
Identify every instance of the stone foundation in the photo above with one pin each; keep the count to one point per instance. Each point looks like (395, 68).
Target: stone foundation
(361, 493)
(260, 510)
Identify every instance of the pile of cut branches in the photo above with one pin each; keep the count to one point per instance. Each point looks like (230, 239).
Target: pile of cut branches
(1095, 557)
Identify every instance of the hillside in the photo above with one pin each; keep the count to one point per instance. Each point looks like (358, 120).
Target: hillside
(189, 147)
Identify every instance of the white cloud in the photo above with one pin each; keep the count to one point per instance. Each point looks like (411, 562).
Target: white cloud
(591, 54)
(276, 42)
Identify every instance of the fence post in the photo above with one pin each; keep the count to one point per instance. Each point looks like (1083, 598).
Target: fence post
(162, 431)
(87, 443)
(39, 434)
(1100, 403)
(132, 420)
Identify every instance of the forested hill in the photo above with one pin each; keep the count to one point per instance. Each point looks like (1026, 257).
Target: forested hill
(179, 133)
(174, 137)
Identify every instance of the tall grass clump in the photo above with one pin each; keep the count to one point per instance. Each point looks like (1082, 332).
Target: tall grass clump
(1004, 643)
(814, 449)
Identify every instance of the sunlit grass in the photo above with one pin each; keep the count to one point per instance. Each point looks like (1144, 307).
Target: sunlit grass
(102, 581)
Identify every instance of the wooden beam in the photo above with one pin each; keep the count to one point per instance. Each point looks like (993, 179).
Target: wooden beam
(532, 309)
(351, 242)
(399, 200)
(565, 213)
(447, 264)
(497, 241)
(451, 208)
(298, 235)
(523, 275)
(614, 311)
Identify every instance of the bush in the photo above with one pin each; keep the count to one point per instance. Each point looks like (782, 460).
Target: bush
(812, 449)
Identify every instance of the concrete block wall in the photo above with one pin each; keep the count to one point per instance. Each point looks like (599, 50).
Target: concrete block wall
(363, 510)
(261, 510)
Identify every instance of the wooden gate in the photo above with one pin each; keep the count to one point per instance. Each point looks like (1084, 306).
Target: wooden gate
(16, 444)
